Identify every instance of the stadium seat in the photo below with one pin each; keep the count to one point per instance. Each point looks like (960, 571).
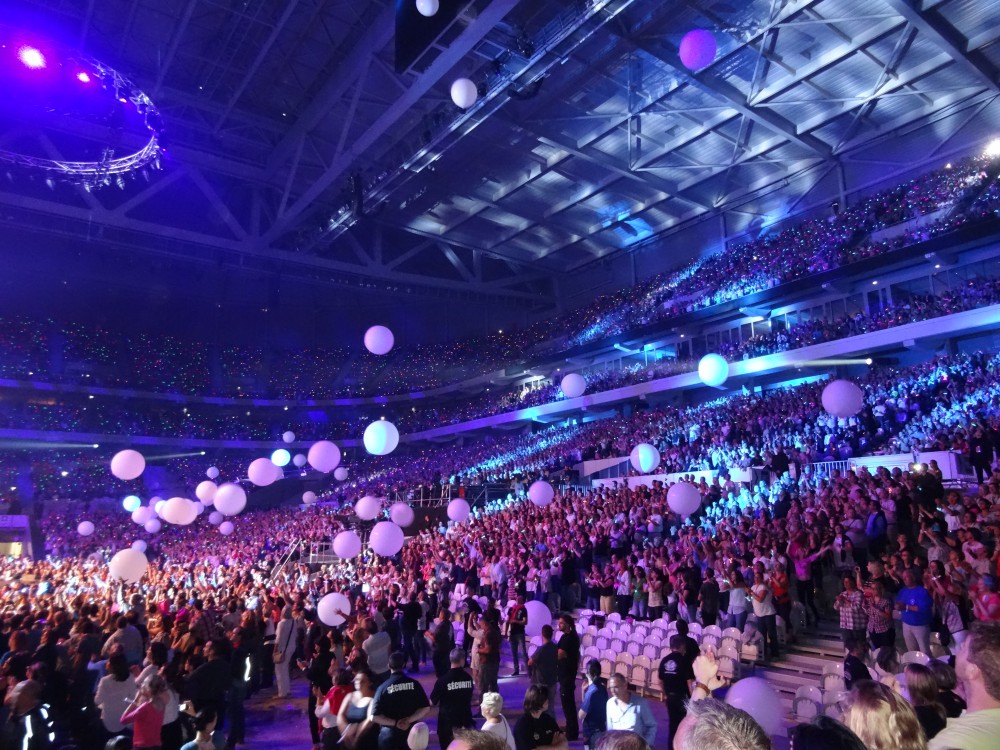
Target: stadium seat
(915, 657)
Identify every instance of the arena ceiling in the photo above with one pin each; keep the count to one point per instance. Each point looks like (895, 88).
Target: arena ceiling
(294, 142)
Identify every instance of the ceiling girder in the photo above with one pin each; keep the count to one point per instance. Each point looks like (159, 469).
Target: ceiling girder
(947, 37)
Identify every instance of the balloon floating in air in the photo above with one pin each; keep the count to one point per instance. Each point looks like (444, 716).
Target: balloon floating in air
(464, 93)
(573, 385)
(713, 370)
(381, 438)
(127, 464)
(379, 340)
(698, 49)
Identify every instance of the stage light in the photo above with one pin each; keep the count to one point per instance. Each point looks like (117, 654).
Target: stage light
(31, 57)
(83, 76)
(992, 149)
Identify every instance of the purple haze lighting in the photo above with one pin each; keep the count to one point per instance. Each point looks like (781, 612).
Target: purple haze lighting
(83, 77)
(31, 57)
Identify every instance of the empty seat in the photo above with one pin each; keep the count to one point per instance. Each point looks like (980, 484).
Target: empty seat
(633, 648)
(712, 630)
(915, 657)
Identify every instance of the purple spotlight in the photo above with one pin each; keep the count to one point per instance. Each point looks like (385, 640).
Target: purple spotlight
(32, 57)
(83, 76)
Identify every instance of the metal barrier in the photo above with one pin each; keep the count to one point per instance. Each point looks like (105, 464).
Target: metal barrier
(826, 468)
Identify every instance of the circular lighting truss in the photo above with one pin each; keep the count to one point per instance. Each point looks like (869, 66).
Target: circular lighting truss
(64, 67)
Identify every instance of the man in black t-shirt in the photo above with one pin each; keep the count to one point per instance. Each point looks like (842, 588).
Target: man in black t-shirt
(444, 641)
(676, 677)
(452, 694)
(516, 622)
(412, 612)
(399, 703)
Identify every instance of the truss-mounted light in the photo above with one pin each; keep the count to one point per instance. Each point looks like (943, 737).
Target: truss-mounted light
(992, 150)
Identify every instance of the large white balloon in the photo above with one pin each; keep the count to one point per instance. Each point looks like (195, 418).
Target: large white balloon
(179, 511)
(329, 606)
(386, 539)
(379, 340)
(458, 510)
(226, 528)
(299, 460)
(230, 499)
(645, 458)
(324, 456)
(215, 518)
(756, 696)
(205, 491)
(128, 464)
(308, 497)
(340, 473)
(381, 438)
(541, 492)
(212, 472)
(347, 544)
(697, 49)
(157, 505)
(573, 385)
(139, 546)
(131, 503)
(288, 437)
(85, 528)
(538, 615)
(464, 93)
(153, 526)
(427, 8)
(713, 370)
(842, 398)
(683, 498)
(128, 565)
(401, 514)
(143, 514)
(280, 458)
(262, 472)
(367, 508)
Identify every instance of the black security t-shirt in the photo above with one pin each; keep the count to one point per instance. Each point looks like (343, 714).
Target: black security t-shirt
(396, 698)
(453, 694)
(675, 671)
(569, 644)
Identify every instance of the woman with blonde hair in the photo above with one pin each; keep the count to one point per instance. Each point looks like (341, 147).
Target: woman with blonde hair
(882, 718)
(496, 723)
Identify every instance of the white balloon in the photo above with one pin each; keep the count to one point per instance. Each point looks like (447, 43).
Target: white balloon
(199, 508)
(340, 473)
(573, 385)
(179, 511)
(212, 473)
(713, 370)
(645, 458)
(541, 492)
(418, 736)
(153, 525)
(308, 497)
(158, 507)
(230, 499)
(538, 615)
(85, 528)
(401, 514)
(226, 528)
(128, 565)
(347, 544)
(205, 491)
(427, 8)
(379, 340)
(299, 460)
(142, 514)
(381, 438)
(367, 508)
(683, 498)
(262, 472)
(386, 539)
(756, 696)
(215, 518)
(464, 93)
(288, 437)
(458, 510)
(324, 456)
(128, 464)
(842, 398)
(328, 607)
(139, 546)
(280, 458)
(131, 503)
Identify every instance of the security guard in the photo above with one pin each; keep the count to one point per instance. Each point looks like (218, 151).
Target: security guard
(399, 703)
(676, 677)
(452, 694)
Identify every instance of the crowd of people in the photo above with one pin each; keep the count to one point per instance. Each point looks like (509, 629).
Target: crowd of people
(855, 546)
